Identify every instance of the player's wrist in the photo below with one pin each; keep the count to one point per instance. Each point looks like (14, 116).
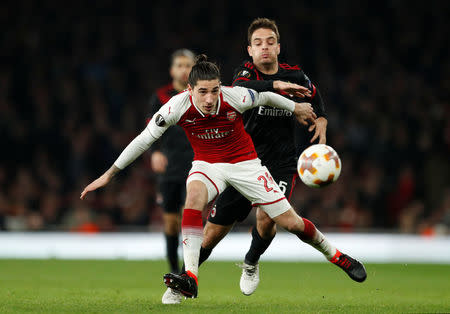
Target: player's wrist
(276, 85)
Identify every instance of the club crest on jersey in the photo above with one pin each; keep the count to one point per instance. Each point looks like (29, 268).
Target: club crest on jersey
(212, 213)
(159, 120)
(231, 115)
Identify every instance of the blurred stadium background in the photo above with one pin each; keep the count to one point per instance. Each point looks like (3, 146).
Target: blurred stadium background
(76, 78)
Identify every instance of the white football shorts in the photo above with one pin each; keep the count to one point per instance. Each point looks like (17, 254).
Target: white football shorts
(249, 178)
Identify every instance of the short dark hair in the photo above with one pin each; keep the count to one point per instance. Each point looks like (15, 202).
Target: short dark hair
(203, 70)
(181, 53)
(262, 22)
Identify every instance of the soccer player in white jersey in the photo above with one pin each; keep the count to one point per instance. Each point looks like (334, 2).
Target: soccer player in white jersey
(224, 155)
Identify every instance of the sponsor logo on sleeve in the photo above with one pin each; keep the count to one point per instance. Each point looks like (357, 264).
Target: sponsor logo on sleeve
(244, 73)
(159, 120)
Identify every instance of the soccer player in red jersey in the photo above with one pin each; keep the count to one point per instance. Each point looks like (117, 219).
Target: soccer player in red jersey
(224, 155)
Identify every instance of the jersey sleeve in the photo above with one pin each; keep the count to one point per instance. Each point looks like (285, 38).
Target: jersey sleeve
(166, 116)
(244, 99)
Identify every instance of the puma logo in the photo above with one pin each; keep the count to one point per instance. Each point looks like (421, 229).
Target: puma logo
(190, 121)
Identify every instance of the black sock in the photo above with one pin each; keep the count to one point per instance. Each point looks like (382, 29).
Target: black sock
(257, 248)
(172, 253)
(204, 254)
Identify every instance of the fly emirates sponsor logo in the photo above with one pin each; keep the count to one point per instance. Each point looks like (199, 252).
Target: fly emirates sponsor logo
(213, 134)
(274, 112)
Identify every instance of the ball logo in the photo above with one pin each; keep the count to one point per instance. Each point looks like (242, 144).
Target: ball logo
(231, 115)
(159, 120)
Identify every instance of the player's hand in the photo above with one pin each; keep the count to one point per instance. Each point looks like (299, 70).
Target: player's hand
(292, 89)
(304, 113)
(320, 125)
(94, 185)
(159, 162)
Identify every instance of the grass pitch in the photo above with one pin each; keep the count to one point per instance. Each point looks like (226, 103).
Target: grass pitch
(61, 286)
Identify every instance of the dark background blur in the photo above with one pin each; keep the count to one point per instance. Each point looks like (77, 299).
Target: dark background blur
(76, 78)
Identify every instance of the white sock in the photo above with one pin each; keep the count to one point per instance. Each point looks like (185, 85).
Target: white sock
(192, 232)
(317, 240)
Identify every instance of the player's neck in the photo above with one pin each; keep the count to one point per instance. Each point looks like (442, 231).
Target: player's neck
(268, 69)
(179, 87)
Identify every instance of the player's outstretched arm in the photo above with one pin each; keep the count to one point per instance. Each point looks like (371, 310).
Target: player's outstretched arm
(292, 89)
(137, 146)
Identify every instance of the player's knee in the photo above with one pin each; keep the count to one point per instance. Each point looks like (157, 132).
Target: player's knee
(196, 196)
(294, 225)
(265, 225)
(266, 228)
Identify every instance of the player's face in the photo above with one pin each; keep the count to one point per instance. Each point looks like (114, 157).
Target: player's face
(206, 95)
(180, 69)
(264, 48)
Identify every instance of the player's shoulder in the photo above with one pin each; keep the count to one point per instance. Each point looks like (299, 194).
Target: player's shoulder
(230, 91)
(238, 95)
(245, 70)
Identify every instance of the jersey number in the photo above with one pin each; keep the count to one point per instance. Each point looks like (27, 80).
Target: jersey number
(266, 179)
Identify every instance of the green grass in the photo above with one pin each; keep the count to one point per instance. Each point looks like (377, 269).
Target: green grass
(136, 286)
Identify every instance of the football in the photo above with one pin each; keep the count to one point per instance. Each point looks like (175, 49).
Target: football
(319, 165)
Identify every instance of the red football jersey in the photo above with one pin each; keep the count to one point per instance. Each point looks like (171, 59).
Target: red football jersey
(215, 138)
(220, 137)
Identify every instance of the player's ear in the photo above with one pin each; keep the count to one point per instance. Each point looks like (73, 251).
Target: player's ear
(190, 89)
(249, 50)
(278, 49)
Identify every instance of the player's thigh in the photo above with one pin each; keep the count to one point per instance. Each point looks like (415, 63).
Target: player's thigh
(213, 234)
(230, 207)
(255, 182)
(209, 176)
(173, 195)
